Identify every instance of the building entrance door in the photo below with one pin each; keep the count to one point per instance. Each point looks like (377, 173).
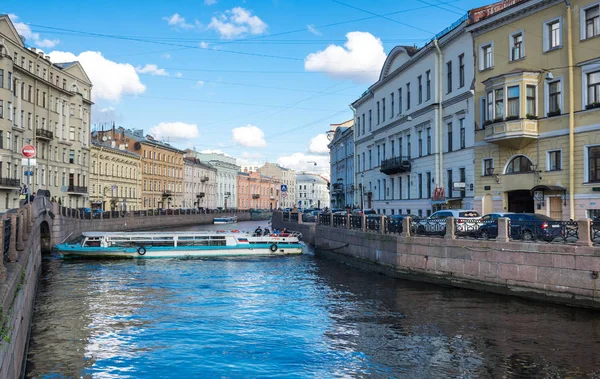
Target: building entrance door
(556, 208)
(520, 201)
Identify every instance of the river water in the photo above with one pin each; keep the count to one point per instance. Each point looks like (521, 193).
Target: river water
(291, 317)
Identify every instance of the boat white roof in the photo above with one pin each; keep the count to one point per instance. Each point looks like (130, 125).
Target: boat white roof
(157, 234)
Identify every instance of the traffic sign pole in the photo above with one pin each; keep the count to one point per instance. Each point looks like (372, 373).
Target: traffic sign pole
(28, 152)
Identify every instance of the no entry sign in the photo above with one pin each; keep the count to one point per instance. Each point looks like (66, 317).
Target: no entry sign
(28, 151)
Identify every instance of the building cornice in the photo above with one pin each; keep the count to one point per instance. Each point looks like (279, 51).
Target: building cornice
(457, 99)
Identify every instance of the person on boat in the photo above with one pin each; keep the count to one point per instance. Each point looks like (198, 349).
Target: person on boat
(276, 232)
(284, 232)
(266, 232)
(258, 232)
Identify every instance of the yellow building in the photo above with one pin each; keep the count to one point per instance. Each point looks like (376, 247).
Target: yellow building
(537, 87)
(115, 178)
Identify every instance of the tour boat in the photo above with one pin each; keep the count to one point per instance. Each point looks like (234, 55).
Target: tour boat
(225, 220)
(179, 244)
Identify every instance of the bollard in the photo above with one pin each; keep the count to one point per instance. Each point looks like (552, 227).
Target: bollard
(584, 229)
(300, 218)
(382, 227)
(406, 224)
(364, 223)
(502, 230)
(450, 229)
(348, 217)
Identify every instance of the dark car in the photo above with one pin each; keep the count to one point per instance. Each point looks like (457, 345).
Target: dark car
(524, 226)
(395, 222)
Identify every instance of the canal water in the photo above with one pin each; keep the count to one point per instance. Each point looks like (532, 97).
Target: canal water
(291, 317)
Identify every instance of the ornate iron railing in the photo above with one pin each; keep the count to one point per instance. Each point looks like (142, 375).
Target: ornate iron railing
(374, 224)
(294, 217)
(340, 221)
(430, 227)
(324, 219)
(540, 230)
(595, 232)
(286, 216)
(356, 222)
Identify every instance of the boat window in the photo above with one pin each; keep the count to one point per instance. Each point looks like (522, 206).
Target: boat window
(92, 242)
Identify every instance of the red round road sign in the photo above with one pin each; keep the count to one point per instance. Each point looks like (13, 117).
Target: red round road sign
(28, 151)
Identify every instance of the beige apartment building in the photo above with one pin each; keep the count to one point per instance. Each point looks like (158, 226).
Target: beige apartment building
(48, 106)
(286, 177)
(257, 191)
(199, 182)
(115, 178)
(537, 87)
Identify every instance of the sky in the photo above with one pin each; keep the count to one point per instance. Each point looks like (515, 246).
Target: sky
(260, 80)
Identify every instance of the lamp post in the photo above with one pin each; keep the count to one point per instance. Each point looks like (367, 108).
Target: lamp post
(362, 191)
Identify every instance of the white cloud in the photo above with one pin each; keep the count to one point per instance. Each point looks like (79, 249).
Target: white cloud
(110, 79)
(360, 59)
(175, 131)
(210, 2)
(203, 44)
(313, 30)
(214, 151)
(199, 83)
(166, 56)
(152, 69)
(24, 30)
(237, 22)
(318, 145)
(178, 22)
(104, 115)
(304, 162)
(179, 75)
(249, 136)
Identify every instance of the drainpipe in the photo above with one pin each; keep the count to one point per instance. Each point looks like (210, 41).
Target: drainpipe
(440, 117)
(571, 113)
(355, 158)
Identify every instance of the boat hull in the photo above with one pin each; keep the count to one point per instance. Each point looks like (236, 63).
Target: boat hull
(68, 251)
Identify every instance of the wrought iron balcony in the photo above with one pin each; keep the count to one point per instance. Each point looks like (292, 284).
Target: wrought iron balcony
(200, 195)
(44, 134)
(10, 183)
(397, 165)
(204, 179)
(256, 196)
(167, 193)
(338, 187)
(77, 190)
(514, 134)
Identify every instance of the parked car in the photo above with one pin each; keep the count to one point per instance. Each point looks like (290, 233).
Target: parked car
(466, 219)
(310, 215)
(525, 226)
(395, 222)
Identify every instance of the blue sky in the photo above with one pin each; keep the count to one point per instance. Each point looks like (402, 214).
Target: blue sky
(232, 69)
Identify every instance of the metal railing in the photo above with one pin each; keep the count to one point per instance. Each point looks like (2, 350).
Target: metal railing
(340, 221)
(324, 219)
(7, 236)
(548, 231)
(430, 227)
(294, 217)
(286, 216)
(374, 224)
(13, 183)
(595, 232)
(77, 189)
(356, 222)
(43, 133)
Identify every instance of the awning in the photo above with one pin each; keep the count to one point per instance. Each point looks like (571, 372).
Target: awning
(545, 188)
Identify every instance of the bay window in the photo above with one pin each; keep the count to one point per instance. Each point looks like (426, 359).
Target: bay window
(513, 101)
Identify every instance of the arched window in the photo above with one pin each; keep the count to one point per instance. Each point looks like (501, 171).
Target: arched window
(519, 164)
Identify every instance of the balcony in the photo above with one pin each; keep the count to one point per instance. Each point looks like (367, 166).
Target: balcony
(10, 183)
(514, 134)
(77, 190)
(167, 193)
(200, 195)
(204, 179)
(338, 187)
(256, 196)
(397, 165)
(44, 134)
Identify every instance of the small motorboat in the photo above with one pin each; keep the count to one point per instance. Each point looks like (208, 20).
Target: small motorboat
(225, 220)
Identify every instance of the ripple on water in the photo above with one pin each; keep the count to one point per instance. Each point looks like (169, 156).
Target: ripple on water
(290, 317)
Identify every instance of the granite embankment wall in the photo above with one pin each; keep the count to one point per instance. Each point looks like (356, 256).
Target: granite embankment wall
(561, 273)
(307, 229)
(68, 224)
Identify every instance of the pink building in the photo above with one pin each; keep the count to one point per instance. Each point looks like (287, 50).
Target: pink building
(256, 191)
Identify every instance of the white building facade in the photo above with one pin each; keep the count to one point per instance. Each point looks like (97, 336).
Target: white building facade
(414, 129)
(226, 182)
(312, 190)
(199, 182)
(341, 153)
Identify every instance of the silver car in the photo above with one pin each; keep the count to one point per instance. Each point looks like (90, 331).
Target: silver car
(467, 221)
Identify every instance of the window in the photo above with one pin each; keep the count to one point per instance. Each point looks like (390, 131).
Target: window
(408, 187)
(383, 109)
(518, 165)
(370, 159)
(370, 119)
(488, 166)
(72, 133)
(554, 97)
(428, 75)
(449, 178)
(463, 179)
(593, 155)
(1, 78)
(420, 179)
(357, 129)
(1, 108)
(392, 105)
(490, 104)
(554, 160)
(400, 189)
(378, 114)
(72, 156)
(9, 82)
(591, 21)
(428, 178)
(428, 141)
(420, 81)
(463, 141)
(593, 87)
(449, 76)
(400, 147)
(461, 71)
(552, 34)
(420, 143)
(513, 101)
(486, 57)
(531, 106)
(378, 155)
(449, 136)
(499, 103)
(363, 124)
(408, 147)
(407, 96)
(399, 100)
(516, 46)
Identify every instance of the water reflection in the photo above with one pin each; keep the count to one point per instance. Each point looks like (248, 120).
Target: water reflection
(291, 317)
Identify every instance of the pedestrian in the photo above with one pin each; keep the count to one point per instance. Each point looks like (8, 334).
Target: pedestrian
(258, 232)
